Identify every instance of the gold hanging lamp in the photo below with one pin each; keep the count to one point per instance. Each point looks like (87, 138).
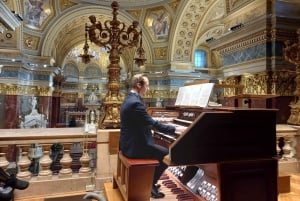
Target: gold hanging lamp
(86, 57)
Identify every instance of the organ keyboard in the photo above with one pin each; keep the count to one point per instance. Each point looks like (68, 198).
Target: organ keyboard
(221, 153)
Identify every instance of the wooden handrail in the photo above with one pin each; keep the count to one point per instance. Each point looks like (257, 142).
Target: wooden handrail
(42, 135)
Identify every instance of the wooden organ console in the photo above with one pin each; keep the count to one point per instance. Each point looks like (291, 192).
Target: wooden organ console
(222, 153)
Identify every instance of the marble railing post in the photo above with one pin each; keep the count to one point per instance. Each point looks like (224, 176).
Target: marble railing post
(45, 162)
(66, 162)
(289, 151)
(85, 169)
(24, 163)
(297, 145)
(279, 145)
(286, 147)
(66, 181)
(3, 160)
(286, 142)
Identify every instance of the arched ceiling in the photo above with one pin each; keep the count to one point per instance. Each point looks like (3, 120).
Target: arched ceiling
(64, 28)
(123, 3)
(67, 28)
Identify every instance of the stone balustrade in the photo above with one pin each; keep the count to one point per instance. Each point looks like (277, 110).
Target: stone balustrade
(106, 140)
(23, 139)
(288, 149)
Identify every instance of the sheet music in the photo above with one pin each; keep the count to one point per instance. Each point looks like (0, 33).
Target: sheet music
(194, 95)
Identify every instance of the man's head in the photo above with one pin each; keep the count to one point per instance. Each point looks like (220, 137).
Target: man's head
(140, 84)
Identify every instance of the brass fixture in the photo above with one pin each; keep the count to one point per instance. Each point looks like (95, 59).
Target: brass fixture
(115, 37)
(86, 57)
(292, 54)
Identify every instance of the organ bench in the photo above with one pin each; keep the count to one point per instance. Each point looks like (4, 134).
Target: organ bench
(134, 177)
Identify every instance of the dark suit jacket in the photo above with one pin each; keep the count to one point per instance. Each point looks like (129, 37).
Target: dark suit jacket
(136, 124)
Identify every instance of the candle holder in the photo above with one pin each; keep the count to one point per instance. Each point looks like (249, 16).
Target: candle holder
(115, 37)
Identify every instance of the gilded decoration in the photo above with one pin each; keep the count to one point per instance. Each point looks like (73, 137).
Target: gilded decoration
(31, 42)
(283, 83)
(291, 54)
(12, 89)
(158, 22)
(231, 91)
(279, 83)
(64, 4)
(115, 36)
(69, 98)
(161, 94)
(135, 13)
(161, 53)
(8, 39)
(37, 13)
(174, 5)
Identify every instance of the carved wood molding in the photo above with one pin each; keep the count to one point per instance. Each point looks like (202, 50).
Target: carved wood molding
(243, 43)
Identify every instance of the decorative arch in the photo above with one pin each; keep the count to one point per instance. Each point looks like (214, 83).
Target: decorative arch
(79, 13)
(185, 31)
(71, 72)
(92, 72)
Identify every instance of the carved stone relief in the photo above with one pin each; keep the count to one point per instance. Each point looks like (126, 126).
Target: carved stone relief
(187, 27)
(31, 42)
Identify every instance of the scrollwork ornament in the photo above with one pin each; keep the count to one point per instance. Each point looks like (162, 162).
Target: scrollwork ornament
(292, 54)
(115, 37)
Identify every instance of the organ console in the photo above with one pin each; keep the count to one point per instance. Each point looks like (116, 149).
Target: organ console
(220, 153)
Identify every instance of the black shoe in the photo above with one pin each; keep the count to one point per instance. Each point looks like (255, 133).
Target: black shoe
(156, 194)
(157, 186)
(6, 194)
(16, 183)
(12, 181)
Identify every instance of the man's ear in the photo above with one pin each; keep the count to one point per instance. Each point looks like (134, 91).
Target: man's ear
(138, 85)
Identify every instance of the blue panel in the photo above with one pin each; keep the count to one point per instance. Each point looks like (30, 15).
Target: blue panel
(251, 53)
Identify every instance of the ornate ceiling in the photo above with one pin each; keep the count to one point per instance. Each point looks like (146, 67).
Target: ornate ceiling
(63, 27)
(60, 24)
(124, 3)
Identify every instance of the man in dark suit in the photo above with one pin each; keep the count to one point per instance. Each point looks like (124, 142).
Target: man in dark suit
(136, 137)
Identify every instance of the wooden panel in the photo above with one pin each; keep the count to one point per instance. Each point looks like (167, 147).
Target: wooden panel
(227, 135)
(114, 138)
(249, 180)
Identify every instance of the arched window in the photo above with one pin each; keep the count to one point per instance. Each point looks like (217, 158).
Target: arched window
(200, 58)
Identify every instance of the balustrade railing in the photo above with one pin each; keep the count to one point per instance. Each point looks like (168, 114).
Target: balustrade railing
(45, 138)
(106, 140)
(287, 140)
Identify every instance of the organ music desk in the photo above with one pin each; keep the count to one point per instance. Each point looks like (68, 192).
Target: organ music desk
(222, 153)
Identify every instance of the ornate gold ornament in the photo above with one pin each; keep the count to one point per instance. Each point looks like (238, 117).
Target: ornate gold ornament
(292, 54)
(86, 57)
(114, 36)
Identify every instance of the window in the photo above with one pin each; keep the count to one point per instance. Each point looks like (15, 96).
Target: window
(200, 59)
